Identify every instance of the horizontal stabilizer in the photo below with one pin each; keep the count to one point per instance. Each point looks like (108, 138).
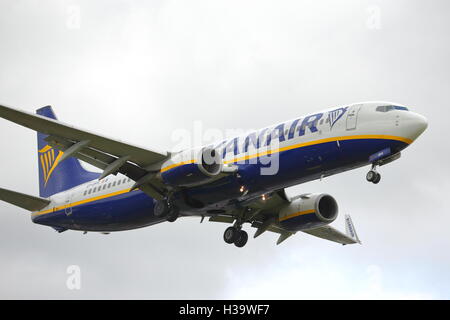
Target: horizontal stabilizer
(24, 201)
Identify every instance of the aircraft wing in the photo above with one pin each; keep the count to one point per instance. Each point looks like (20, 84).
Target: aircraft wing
(142, 157)
(330, 233)
(24, 201)
(105, 153)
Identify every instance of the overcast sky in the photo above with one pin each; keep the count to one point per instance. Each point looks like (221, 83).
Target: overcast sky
(142, 71)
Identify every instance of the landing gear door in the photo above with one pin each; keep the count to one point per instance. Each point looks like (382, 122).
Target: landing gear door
(352, 116)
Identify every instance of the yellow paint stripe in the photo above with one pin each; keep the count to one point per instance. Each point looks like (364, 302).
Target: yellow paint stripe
(300, 213)
(46, 165)
(177, 165)
(43, 166)
(50, 161)
(81, 202)
(45, 149)
(55, 164)
(300, 145)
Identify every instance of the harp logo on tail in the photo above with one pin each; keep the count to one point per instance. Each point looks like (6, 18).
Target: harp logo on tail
(49, 161)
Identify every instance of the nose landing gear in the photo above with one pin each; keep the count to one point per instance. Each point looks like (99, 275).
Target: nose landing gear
(373, 176)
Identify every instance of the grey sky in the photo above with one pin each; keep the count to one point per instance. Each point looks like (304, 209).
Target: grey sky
(141, 70)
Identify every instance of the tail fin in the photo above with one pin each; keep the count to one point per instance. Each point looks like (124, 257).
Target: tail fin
(54, 176)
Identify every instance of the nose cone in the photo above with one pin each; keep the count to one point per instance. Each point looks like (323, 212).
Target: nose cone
(415, 125)
(422, 123)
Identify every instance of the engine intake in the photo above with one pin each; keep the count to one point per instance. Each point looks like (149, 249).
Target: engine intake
(185, 171)
(211, 162)
(309, 212)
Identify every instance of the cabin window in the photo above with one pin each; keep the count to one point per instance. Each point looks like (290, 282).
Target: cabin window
(84, 193)
(119, 182)
(109, 185)
(114, 184)
(90, 191)
(124, 180)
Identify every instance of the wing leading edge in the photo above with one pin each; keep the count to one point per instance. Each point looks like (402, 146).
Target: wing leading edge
(142, 157)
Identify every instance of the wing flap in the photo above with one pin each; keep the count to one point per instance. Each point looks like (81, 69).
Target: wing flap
(222, 218)
(22, 200)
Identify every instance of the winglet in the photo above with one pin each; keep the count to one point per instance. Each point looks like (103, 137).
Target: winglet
(350, 230)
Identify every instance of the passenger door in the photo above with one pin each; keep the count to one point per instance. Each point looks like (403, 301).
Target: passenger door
(352, 117)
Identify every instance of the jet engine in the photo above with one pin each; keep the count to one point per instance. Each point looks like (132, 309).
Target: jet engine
(308, 212)
(192, 168)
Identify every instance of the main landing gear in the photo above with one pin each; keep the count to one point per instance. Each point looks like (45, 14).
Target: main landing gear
(235, 235)
(373, 176)
(164, 208)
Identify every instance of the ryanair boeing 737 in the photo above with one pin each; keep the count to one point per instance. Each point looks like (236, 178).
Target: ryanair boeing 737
(236, 181)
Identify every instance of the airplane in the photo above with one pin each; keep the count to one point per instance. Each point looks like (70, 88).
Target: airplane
(236, 181)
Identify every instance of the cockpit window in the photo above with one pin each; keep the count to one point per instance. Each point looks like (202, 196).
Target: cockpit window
(390, 108)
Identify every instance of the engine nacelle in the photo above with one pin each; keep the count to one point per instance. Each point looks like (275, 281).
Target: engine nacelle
(192, 167)
(309, 212)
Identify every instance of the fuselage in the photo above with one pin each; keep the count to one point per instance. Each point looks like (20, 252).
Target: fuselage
(289, 153)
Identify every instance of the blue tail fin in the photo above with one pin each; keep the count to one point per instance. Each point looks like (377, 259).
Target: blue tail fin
(56, 177)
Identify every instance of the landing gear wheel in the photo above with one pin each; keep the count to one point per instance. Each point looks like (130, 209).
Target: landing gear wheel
(161, 208)
(377, 178)
(373, 176)
(230, 235)
(370, 176)
(173, 215)
(241, 239)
